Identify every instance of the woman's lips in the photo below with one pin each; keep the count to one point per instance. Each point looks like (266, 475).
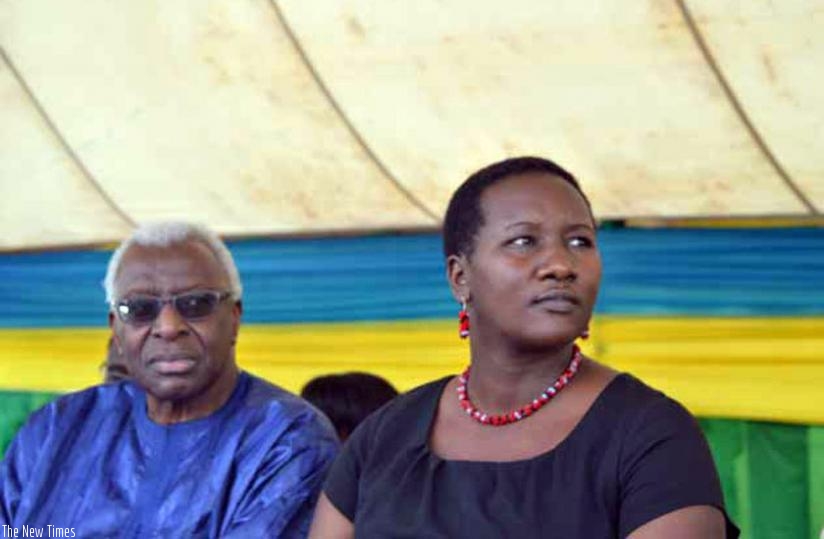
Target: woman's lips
(557, 302)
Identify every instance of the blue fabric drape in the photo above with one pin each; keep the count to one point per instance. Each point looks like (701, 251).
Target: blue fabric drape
(718, 272)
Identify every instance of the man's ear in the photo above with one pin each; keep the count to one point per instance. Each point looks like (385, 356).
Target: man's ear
(237, 311)
(457, 273)
(115, 337)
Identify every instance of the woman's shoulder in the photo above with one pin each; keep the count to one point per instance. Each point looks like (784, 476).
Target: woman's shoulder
(640, 414)
(419, 395)
(407, 416)
(631, 395)
(628, 404)
(411, 404)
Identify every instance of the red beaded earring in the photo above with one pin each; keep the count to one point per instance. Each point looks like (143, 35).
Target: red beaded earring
(463, 321)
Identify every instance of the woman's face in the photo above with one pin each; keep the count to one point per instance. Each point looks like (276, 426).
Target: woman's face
(534, 274)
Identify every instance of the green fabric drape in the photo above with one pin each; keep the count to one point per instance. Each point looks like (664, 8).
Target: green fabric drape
(772, 475)
(15, 407)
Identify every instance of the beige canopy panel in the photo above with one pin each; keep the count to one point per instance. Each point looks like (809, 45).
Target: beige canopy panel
(290, 117)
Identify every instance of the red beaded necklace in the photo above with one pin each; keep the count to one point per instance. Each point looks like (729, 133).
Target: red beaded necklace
(524, 411)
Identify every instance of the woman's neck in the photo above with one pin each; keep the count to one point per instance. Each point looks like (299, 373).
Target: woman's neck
(502, 380)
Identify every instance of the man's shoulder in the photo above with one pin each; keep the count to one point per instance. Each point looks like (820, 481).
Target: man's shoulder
(66, 411)
(264, 394)
(277, 406)
(110, 397)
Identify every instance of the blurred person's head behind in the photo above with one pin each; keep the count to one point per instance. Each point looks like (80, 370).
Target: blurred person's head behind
(347, 399)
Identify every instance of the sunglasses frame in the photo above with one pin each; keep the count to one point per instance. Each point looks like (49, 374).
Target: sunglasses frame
(162, 301)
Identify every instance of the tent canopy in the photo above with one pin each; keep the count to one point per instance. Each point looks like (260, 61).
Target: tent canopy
(288, 117)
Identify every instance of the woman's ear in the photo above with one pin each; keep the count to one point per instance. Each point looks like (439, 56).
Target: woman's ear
(457, 273)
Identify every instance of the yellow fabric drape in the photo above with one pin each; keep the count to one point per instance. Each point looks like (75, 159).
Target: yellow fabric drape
(750, 368)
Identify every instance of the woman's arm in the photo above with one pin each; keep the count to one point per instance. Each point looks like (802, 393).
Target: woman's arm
(329, 523)
(696, 522)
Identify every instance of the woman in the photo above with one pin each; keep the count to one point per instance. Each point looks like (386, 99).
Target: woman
(534, 440)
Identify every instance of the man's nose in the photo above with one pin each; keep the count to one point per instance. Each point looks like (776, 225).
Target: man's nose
(169, 324)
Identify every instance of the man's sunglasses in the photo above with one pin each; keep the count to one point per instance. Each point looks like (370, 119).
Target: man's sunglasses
(190, 305)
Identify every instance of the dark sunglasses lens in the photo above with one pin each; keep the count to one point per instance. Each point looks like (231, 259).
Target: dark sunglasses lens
(196, 304)
(139, 310)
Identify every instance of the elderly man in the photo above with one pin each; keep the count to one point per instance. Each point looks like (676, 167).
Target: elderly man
(191, 446)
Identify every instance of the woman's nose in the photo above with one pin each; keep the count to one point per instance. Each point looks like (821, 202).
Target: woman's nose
(557, 264)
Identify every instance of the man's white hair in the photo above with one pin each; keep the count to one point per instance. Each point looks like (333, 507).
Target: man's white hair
(164, 234)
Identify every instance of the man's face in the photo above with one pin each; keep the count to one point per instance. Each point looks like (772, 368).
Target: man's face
(172, 357)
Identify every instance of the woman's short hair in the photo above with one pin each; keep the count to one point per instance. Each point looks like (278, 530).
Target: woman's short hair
(164, 234)
(347, 399)
(464, 216)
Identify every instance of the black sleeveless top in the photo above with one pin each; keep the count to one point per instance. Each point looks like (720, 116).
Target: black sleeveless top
(634, 456)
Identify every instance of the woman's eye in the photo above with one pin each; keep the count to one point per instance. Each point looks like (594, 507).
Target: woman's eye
(581, 241)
